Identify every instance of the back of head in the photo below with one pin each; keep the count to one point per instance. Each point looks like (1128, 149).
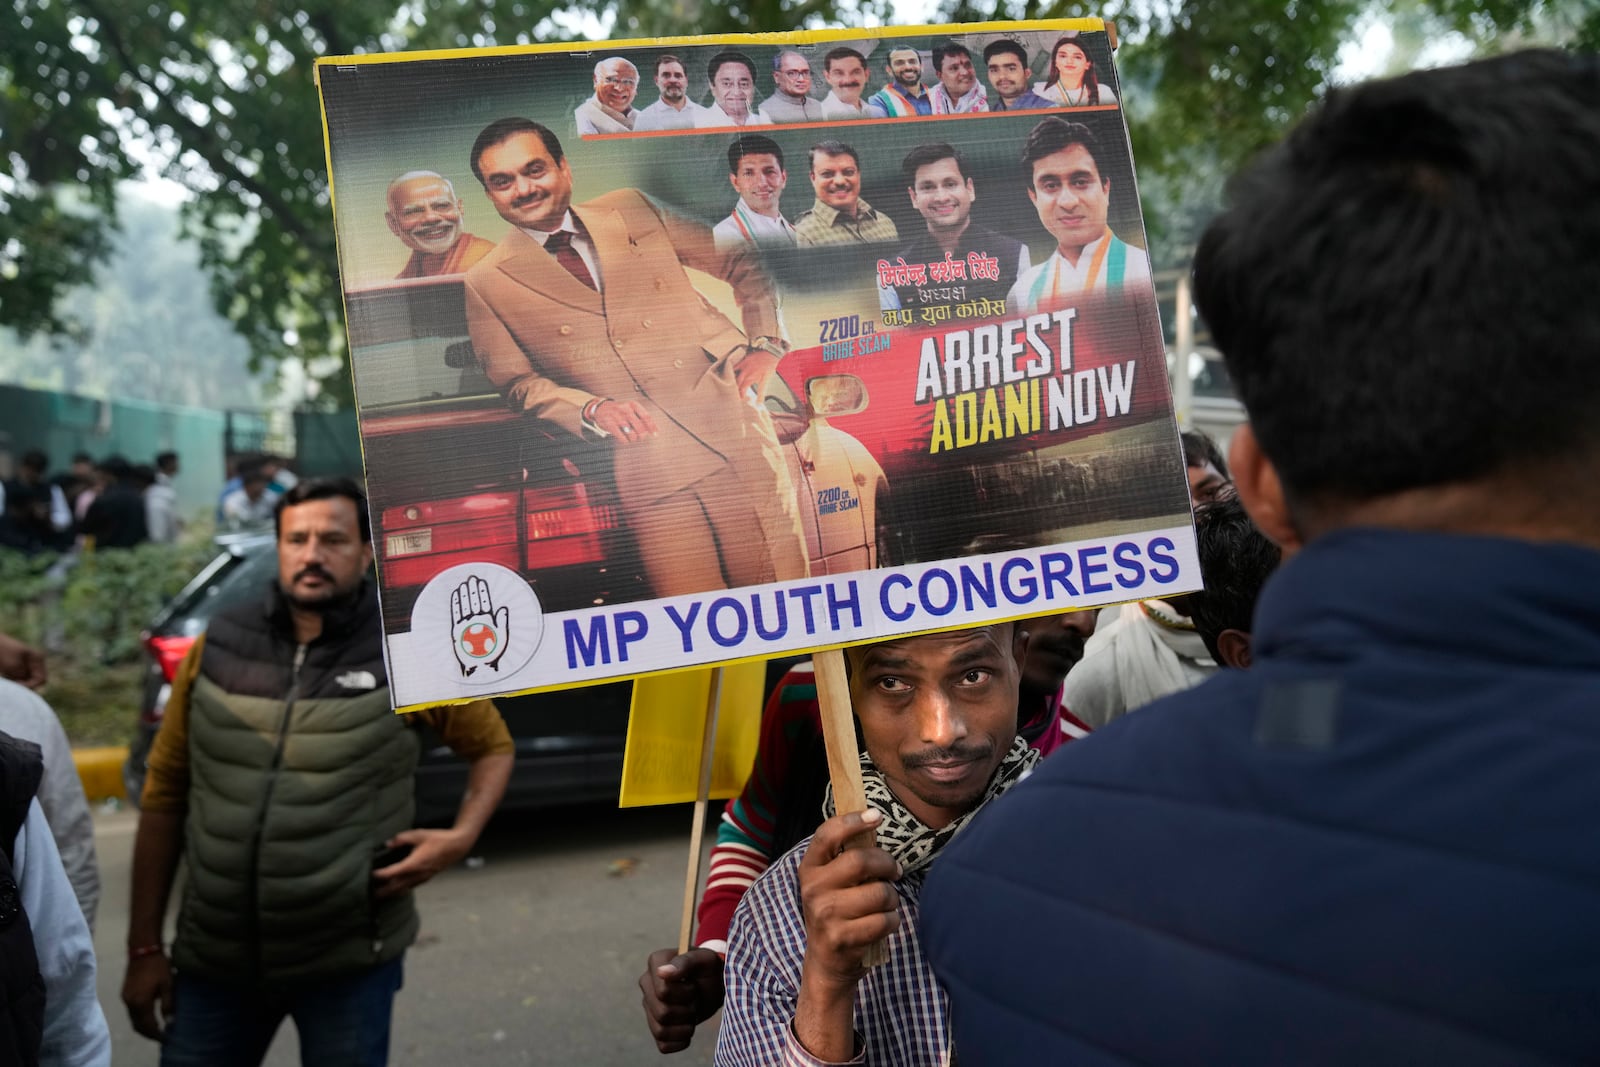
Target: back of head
(1404, 289)
(1236, 559)
(1199, 449)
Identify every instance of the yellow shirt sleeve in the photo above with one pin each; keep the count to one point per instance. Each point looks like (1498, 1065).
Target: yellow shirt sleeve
(471, 730)
(166, 780)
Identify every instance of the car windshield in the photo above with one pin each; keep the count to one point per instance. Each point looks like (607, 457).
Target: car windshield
(409, 345)
(233, 577)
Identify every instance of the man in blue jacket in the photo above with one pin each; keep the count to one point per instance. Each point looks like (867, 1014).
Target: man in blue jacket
(1379, 844)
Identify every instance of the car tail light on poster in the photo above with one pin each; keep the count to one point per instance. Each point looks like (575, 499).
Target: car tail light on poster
(422, 539)
(675, 382)
(564, 528)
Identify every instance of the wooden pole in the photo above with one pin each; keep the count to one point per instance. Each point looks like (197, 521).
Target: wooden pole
(708, 744)
(844, 762)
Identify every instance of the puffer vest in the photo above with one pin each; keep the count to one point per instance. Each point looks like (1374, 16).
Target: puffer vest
(299, 773)
(21, 985)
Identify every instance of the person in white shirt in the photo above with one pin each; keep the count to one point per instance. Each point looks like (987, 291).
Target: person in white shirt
(755, 168)
(674, 110)
(252, 504)
(733, 90)
(957, 91)
(1072, 198)
(75, 1032)
(610, 109)
(25, 716)
(846, 71)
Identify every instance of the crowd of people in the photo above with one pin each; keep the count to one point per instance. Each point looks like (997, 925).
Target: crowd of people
(111, 503)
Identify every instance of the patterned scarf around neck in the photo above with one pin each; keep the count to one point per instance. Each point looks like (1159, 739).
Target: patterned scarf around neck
(902, 835)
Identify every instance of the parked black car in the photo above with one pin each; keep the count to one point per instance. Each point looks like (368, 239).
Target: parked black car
(569, 743)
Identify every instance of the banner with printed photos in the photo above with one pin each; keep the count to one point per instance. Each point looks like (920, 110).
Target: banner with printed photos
(676, 353)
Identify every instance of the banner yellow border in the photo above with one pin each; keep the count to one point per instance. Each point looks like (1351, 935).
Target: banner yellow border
(1086, 24)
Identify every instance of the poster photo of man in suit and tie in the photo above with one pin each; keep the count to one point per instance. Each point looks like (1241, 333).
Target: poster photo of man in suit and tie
(639, 448)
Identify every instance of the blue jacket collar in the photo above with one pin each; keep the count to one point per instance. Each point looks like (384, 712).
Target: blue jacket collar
(1479, 597)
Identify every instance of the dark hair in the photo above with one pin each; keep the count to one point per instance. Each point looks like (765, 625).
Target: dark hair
(1052, 136)
(924, 154)
(501, 130)
(1360, 281)
(842, 53)
(142, 475)
(1236, 559)
(831, 148)
(165, 460)
(1199, 449)
(34, 459)
(1091, 80)
(945, 51)
(721, 59)
(752, 144)
(310, 489)
(1007, 46)
(116, 467)
(82, 457)
(668, 57)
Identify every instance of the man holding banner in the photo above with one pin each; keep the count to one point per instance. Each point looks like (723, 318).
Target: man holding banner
(938, 715)
(586, 318)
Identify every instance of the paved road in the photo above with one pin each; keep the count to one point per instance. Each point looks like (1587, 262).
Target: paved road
(528, 959)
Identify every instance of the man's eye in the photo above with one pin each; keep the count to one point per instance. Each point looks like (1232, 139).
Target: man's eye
(977, 676)
(893, 685)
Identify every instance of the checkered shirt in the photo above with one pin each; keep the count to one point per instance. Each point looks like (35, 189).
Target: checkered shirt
(902, 1014)
(823, 225)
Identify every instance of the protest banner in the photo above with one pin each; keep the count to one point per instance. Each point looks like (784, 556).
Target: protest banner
(576, 470)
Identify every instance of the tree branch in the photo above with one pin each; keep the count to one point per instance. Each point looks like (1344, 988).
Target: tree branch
(212, 149)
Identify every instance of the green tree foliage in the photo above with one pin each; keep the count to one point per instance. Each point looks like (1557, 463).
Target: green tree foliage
(151, 330)
(220, 96)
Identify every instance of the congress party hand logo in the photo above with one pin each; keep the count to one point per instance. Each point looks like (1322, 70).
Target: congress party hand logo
(480, 635)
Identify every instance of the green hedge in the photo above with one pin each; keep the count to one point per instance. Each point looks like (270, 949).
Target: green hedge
(91, 609)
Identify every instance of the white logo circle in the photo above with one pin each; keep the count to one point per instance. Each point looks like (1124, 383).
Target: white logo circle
(480, 623)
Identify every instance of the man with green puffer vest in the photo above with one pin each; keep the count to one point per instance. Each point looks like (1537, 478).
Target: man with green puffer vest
(281, 775)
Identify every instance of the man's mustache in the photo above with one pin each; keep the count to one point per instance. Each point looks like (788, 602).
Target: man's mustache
(313, 570)
(953, 754)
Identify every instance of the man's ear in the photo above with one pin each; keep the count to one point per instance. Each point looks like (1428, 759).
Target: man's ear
(1019, 645)
(394, 227)
(1261, 491)
(1233, 648)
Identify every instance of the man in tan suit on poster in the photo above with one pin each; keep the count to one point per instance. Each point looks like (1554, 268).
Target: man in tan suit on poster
(585, 317)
